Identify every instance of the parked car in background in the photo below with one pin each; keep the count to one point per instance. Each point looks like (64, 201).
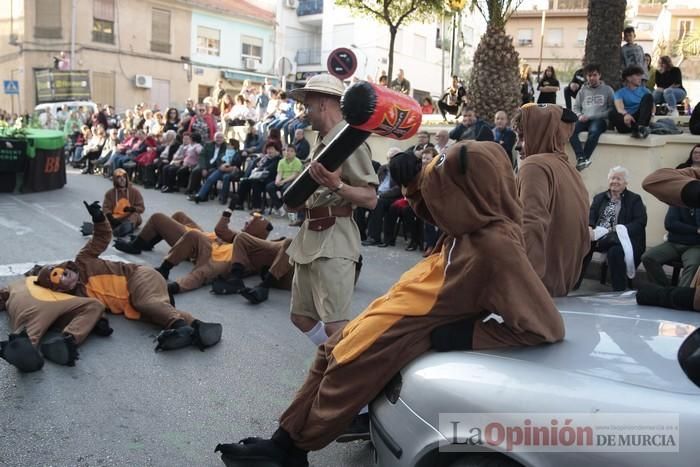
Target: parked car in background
(617, 358)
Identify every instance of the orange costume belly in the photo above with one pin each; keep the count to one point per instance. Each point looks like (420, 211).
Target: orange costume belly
(112, 290)
(414, 294)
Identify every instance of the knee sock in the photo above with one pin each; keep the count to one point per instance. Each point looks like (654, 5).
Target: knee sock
(317, 334)
(237, 271)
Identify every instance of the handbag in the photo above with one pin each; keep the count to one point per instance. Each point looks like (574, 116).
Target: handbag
(259, 174)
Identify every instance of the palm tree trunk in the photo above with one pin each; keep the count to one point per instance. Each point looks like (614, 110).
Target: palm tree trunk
(606, 19)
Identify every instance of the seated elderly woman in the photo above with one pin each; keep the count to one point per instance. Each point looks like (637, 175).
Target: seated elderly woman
(616, 221)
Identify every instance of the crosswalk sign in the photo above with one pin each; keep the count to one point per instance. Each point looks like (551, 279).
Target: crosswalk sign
(11, 86)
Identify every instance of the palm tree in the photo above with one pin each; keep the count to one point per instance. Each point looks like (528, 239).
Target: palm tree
(494, 83)
(606, 20)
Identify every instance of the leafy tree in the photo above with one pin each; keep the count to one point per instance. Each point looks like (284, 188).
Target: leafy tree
(394, 13)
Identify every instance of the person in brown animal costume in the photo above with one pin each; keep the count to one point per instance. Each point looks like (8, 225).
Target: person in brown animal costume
(675, 187)
(479, 267)
(554, 198)
(123, 205)
(138, 292)
(33, 311)
(211, 257)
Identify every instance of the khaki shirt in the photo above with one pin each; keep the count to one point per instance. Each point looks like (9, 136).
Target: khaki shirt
(341, 240)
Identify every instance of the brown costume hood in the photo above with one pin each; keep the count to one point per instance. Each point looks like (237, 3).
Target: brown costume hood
(547, 128)
(486, 184)
(258, 226)
(49, 276)
(120, 173)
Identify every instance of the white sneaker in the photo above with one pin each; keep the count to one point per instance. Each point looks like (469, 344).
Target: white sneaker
(673, 113)
(281, 212)
(273, 211)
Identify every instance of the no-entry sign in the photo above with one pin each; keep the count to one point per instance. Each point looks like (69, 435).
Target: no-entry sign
(342, 63)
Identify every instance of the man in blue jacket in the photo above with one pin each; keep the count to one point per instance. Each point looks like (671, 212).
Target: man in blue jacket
(683, 244)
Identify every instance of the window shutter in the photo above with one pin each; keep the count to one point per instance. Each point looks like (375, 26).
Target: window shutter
(103, 9)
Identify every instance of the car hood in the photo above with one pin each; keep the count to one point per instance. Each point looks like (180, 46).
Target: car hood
(608, 336)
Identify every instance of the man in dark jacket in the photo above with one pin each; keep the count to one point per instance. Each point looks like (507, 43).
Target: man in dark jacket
(683, 244)
(379, 219)
(301, 145)
(617, 220)
(471, 127)
(210, 159)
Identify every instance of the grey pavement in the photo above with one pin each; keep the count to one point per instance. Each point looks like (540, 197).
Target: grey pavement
(125, 405)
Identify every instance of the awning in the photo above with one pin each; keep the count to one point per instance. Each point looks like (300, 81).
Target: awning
(239, 75)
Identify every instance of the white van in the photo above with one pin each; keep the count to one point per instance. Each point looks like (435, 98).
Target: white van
(68, 106)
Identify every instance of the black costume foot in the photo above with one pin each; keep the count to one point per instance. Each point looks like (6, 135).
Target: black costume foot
(678, 298)
(206, 334)
(133, 248)
(164, 269)
(19, 352)
(102, 328)
(173, 339)
(228, 286)
(357, 431)
(453, 336)
(256, 295)
(280, 449)
(61, 350)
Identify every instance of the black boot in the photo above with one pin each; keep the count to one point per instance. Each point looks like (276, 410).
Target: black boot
(164, 269)
(19, 352)
(148, 245)
(206, 334)
(279, 449)
(61, 350)
(134, 247)
(453, 336)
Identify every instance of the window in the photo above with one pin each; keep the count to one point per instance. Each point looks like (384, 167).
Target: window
(644, 26)
(160, 31)
(581, 37)
(103, 21)
(553, 38)
(525, 37)
(251, 48)
(684, 27)
(47, 24)
(208, 41)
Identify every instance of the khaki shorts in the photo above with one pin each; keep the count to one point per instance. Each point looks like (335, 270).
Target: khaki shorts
(322, 290)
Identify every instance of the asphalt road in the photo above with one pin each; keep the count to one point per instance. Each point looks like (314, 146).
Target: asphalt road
(125, 405)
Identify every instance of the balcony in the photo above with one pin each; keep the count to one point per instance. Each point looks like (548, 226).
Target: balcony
(310, 11)
(308, 57)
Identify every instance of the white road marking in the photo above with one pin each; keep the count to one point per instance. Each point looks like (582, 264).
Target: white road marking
(17, 269)
(14, 226)
(46, 213)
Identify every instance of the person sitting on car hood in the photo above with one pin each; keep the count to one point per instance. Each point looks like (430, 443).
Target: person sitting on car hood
(479, 268)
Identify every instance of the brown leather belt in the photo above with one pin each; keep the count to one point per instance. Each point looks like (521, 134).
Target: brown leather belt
(329, 211)
(323, 218)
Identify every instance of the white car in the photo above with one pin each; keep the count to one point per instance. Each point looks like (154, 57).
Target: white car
(68, 107)
(618, 359)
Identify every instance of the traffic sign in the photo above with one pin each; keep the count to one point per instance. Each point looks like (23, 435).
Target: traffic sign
(11, 86)
(342, 63)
